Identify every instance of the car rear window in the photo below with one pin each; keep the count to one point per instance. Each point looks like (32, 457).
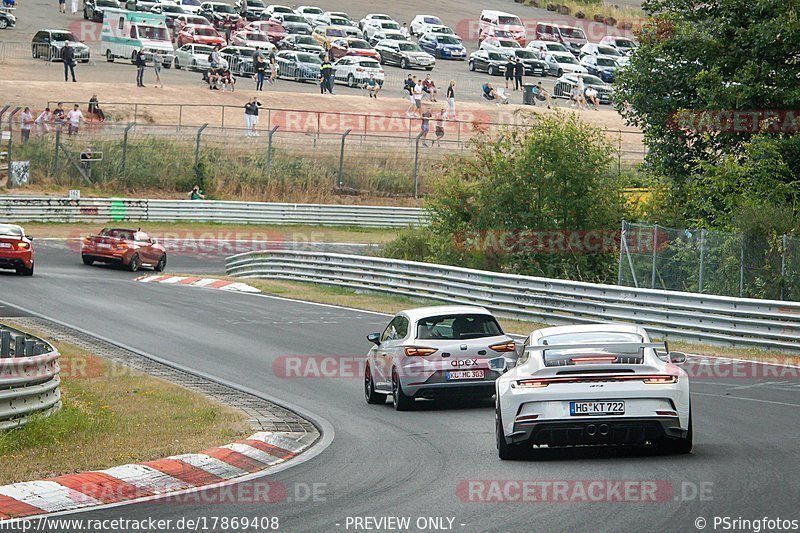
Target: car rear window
(458, 327)
(509, 21)
(118, 233)
(10, 231)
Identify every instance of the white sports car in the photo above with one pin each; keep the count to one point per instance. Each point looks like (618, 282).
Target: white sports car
(436, 351)
(592, 385)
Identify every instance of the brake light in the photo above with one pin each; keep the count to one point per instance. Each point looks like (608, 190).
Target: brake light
(592, 359)
(24, 245)
(504, 347)
(532, 384)
(122, 247)
(660, 380)
(418, 351)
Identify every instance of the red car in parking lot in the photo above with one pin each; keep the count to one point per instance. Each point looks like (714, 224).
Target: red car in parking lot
(128, 248)
(351, 46)
(197, 34)
(16, 249)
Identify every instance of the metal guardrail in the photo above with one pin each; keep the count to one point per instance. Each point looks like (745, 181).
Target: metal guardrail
(29, 378)
(673, 315)
(101, 210)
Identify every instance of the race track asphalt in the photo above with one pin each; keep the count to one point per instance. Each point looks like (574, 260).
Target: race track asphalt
(385, 463)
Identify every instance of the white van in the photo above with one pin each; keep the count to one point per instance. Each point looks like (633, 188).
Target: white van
(508, 24)
(126, 32)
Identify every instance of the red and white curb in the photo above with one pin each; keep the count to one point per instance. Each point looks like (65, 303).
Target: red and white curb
(152, 479)
(208, 283)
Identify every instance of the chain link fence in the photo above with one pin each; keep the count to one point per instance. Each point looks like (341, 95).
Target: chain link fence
(711, 262)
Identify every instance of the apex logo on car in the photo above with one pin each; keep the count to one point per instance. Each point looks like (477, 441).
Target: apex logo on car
(468, 362)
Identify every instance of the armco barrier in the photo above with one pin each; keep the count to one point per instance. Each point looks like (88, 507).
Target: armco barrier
(674, 315)
(101, 210)
(29, 380)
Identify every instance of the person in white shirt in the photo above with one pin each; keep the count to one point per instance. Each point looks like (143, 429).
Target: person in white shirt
(75, 117)
(26, 121)
(417, 94)
(43, 120)
(404, 31)
(591, 97)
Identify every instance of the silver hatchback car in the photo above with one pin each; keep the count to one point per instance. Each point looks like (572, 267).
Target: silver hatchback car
(431, 352)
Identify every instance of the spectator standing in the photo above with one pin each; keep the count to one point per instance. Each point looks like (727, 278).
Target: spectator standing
(425, 126)
(440, 126)
(451, 99)
(273, 67)
(62, 7)
(43, 120)
(404, 31)
(509, 70)
(68, 57)
(197, 193)
(430, 87)
(59, 116)
(158, 62)
(215, 58)
(140, 62)
(94, 108)
(418, 93)
(261, 72)
(251, 116)
(75, 117)
(408, 87)
(74, 6)
(326, 77)
(26, 121)
(519, 72)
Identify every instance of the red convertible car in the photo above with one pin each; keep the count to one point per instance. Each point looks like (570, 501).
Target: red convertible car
(129, 248)
(16, 250)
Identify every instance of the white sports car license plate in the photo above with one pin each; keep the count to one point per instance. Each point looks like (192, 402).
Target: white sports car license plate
(596, 408)
(5, 245)
(465, 374)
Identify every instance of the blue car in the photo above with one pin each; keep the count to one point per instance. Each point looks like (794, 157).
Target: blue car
(604, 67)
(443, 46)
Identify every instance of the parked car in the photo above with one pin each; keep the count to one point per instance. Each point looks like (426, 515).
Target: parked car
(433, 352)
(405, 54)
(600, 384)
(559, 63)
(504, 47)
(421, 24)
(240, 60)
(443, 46)
(274, 31)
(492, 21)
(193, 57)
(326, 34)
(623, 45)
(340, 15)
(593, 49)
(250, 9)
(353, 47)
(47, 44)
(275, 8)
(292, 23)
(533, 65)
(311, 14)
(340, 22)
(170, 11)
(141, 5)
(298, 66)
(604, 67)
(355, 71)
(199, 34)
(373, 16)
(252, 39)
(16, 249)
(222, 16)
(190, 6)
(131, 249)
(7, 20)
(493, 63)
(376, 25)
(438, 29)
(300, 43)
(570, 36)
(181, 21)
(93, 9)
(386, 35)
(564, 85)
(545, 47)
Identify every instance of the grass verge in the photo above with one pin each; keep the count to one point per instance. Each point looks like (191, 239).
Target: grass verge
(112, 415)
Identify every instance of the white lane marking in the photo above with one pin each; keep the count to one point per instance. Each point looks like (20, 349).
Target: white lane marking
(773, 402)
(209, 464)
(47, 495)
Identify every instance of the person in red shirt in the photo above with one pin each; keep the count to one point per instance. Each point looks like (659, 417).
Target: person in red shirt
(429, 87)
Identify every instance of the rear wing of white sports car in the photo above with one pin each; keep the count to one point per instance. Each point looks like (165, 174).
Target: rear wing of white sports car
(609, 346)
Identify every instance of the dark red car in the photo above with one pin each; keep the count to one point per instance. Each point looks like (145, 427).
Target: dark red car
(275, 32)
(352, 46)
(128, 248)
(16, 250)
(197, 34)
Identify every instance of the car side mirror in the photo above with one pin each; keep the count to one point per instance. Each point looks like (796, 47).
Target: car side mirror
(677, 358)
(374, 338)
(153, 242)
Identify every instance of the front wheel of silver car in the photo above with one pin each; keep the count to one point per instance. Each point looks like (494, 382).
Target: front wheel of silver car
(401, 401)
(370, 395)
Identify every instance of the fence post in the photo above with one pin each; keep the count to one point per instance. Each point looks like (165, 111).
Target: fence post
(57, 146)
(621, 238)
(125, 144)
(10, 182)
(197, 152)
(136, 112)
(785, 242)
(3, 112)
(655, 247)
(702, 258)
(341, 155)
(269, 150)
(5, 343)
(619, 154)
(416, 164)
(741, 269)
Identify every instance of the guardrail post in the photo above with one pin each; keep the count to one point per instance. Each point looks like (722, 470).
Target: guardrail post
(785, 243)
(341, 155)
(416, 165)
(19, 346)
(269, 150)
(10, 182)
(30, 347)
(125, 144)
(655, 247)
(5, 343)
(702, 258)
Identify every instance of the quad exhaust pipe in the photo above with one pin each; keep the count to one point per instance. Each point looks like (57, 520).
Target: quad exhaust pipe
(603, 429)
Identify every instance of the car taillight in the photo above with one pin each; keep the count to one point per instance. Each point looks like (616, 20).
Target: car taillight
(593, 359)
(359, 69)
(504, 347)
(660, 380)
(24, 245)
(380, 71)
(532, 384)
(122, 247)
(418, 351)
